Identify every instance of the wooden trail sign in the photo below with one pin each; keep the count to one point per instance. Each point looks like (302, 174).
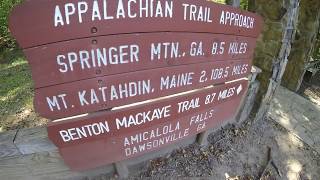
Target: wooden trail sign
(39, 22)
(111, 91)
(112, 136)
(92, 61)
(107, 55)
(142, 116)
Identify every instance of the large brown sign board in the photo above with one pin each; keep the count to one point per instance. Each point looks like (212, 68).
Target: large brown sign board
(98, 58)
(111, 91)
(107, 55)
(112, 136)
(38, 22)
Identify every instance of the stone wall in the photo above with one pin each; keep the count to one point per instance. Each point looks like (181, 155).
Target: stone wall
(270, 41)
(275, 15)
(316, 52)
(303, 44)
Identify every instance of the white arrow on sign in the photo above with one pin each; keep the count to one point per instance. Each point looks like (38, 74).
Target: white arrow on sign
(239, 89)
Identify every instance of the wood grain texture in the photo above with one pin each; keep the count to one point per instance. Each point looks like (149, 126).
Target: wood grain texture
(45, 165)
(13, 168)
(34, 140)
(7, 147)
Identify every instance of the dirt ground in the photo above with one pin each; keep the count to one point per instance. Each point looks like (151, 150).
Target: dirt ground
(241, 153)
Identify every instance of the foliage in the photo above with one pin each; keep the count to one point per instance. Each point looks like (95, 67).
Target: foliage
(6, 40)
(219, 1)
(244, 4)
(316, 54)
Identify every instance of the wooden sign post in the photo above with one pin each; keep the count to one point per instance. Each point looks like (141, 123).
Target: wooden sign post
(123, 78)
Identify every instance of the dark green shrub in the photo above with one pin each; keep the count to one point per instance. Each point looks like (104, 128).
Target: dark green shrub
(6, 40)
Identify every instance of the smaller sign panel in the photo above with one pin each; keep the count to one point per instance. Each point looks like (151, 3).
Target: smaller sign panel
(112, 91)
(39, 22)
(115, 54)
(112, 136)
